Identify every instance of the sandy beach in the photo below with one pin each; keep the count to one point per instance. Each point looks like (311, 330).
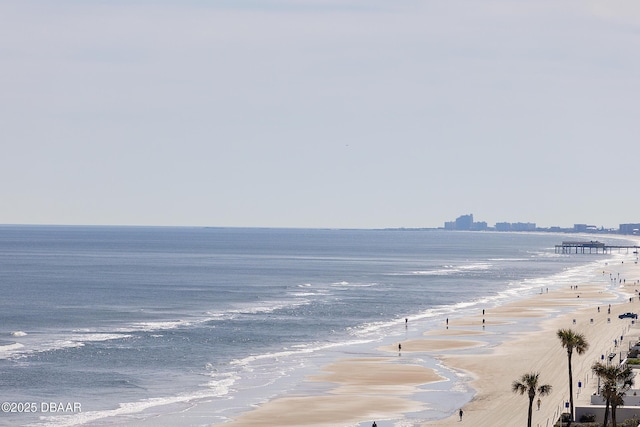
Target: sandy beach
(383, 388)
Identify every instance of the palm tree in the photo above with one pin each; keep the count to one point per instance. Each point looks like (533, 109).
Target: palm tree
(528, 383)
(617, 381)
(572, 341)
(604, 372)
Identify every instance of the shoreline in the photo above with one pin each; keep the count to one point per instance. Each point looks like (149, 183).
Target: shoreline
(541, 351)
(388, 387)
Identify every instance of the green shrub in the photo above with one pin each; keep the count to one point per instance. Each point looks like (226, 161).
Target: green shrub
(588, 418)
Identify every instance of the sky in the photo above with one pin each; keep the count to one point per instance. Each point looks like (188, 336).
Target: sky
(319, 113)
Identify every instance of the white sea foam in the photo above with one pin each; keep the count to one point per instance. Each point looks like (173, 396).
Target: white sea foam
(304, 294)
(349, 285)
(56, 342)
(255, 308)
(476, 266)
(79, 340)
(299, 350)
(308, 290)
(447, 270)
(440, 272)
(219, 385)
(19, 334)
(129, 408)
(269, 306)
(156, 326)
(9, 350)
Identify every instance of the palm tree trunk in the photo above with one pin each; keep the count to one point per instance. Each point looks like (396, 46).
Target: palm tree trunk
(570, 387)
(530, 411)
(613, 415)
(606, 413)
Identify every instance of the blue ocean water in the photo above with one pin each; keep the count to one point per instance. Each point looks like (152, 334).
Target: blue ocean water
(192, 326)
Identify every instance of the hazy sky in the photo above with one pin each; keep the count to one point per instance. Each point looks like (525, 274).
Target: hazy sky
(312, 113)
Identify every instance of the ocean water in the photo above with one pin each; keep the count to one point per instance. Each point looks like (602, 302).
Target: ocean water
(192, 326)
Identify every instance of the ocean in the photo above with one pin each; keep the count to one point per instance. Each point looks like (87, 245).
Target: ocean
(192, 326)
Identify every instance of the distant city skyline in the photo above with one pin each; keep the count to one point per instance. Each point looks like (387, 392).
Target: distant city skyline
(467, 222)
(351, 114)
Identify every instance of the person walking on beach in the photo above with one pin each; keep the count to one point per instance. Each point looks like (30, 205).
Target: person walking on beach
(374, 424)
(460, 413)
(539, 402)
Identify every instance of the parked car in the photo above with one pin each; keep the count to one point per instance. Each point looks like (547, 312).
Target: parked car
(629, 315)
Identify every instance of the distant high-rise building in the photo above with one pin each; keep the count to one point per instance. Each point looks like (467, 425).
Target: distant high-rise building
(464, 222)
(503, 226)
(523, 226)
(450, 225)
(479, 226)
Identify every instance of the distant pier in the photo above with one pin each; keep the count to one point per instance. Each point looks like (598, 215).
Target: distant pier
(591, 247)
